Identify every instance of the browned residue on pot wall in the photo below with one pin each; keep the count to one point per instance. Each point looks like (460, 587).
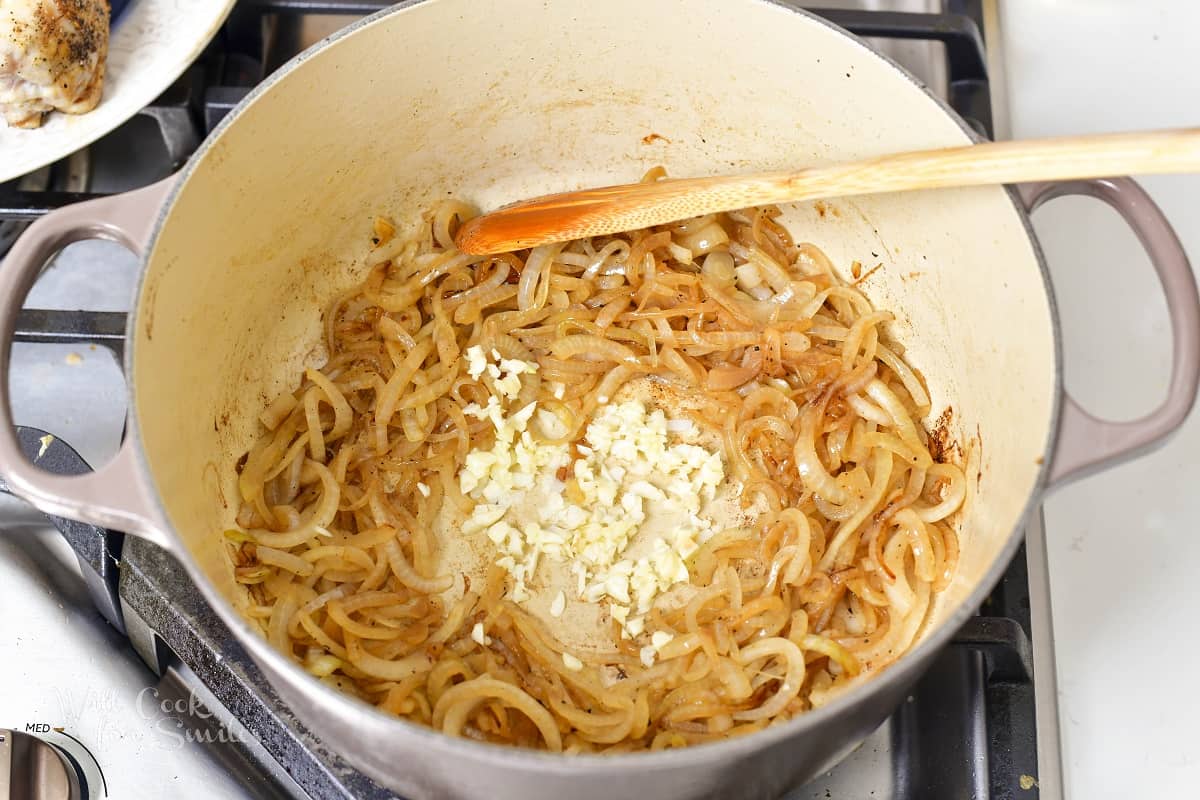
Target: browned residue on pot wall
(942, 446)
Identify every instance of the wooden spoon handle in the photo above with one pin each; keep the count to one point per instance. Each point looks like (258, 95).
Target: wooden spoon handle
(612, 209)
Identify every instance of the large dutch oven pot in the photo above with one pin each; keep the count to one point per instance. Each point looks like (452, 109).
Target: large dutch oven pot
(495, 101)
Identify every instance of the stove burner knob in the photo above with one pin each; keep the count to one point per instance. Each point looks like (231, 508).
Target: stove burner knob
(33, 769)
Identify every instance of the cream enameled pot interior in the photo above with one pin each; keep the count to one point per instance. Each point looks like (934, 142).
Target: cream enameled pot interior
(496, 101)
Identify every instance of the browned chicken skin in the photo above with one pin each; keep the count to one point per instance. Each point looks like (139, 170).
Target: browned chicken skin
(52, 55)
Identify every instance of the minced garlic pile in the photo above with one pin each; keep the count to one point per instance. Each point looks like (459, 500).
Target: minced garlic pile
(625, 467)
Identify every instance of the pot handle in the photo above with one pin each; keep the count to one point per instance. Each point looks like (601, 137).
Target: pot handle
(1086, 443)
(114, 495)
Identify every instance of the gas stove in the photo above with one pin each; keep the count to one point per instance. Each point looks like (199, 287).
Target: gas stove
(119, 681)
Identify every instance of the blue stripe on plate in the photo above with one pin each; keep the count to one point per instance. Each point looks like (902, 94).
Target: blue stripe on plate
(118, 8)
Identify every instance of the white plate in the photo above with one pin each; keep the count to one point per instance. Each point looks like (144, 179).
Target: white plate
(152, 43)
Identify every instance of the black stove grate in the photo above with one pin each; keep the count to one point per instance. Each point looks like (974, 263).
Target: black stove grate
(969, 728)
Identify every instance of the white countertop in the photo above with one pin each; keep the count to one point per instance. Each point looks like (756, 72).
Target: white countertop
(1124, 554)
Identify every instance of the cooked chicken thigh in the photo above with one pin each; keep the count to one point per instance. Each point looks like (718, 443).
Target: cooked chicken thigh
(52, 55)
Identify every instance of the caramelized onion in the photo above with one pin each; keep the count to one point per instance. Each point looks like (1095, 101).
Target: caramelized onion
(846, 528)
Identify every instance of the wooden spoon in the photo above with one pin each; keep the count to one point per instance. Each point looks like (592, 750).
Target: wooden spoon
(612, 209)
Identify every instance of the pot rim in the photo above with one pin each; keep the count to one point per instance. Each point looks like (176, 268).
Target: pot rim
(906, 669)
